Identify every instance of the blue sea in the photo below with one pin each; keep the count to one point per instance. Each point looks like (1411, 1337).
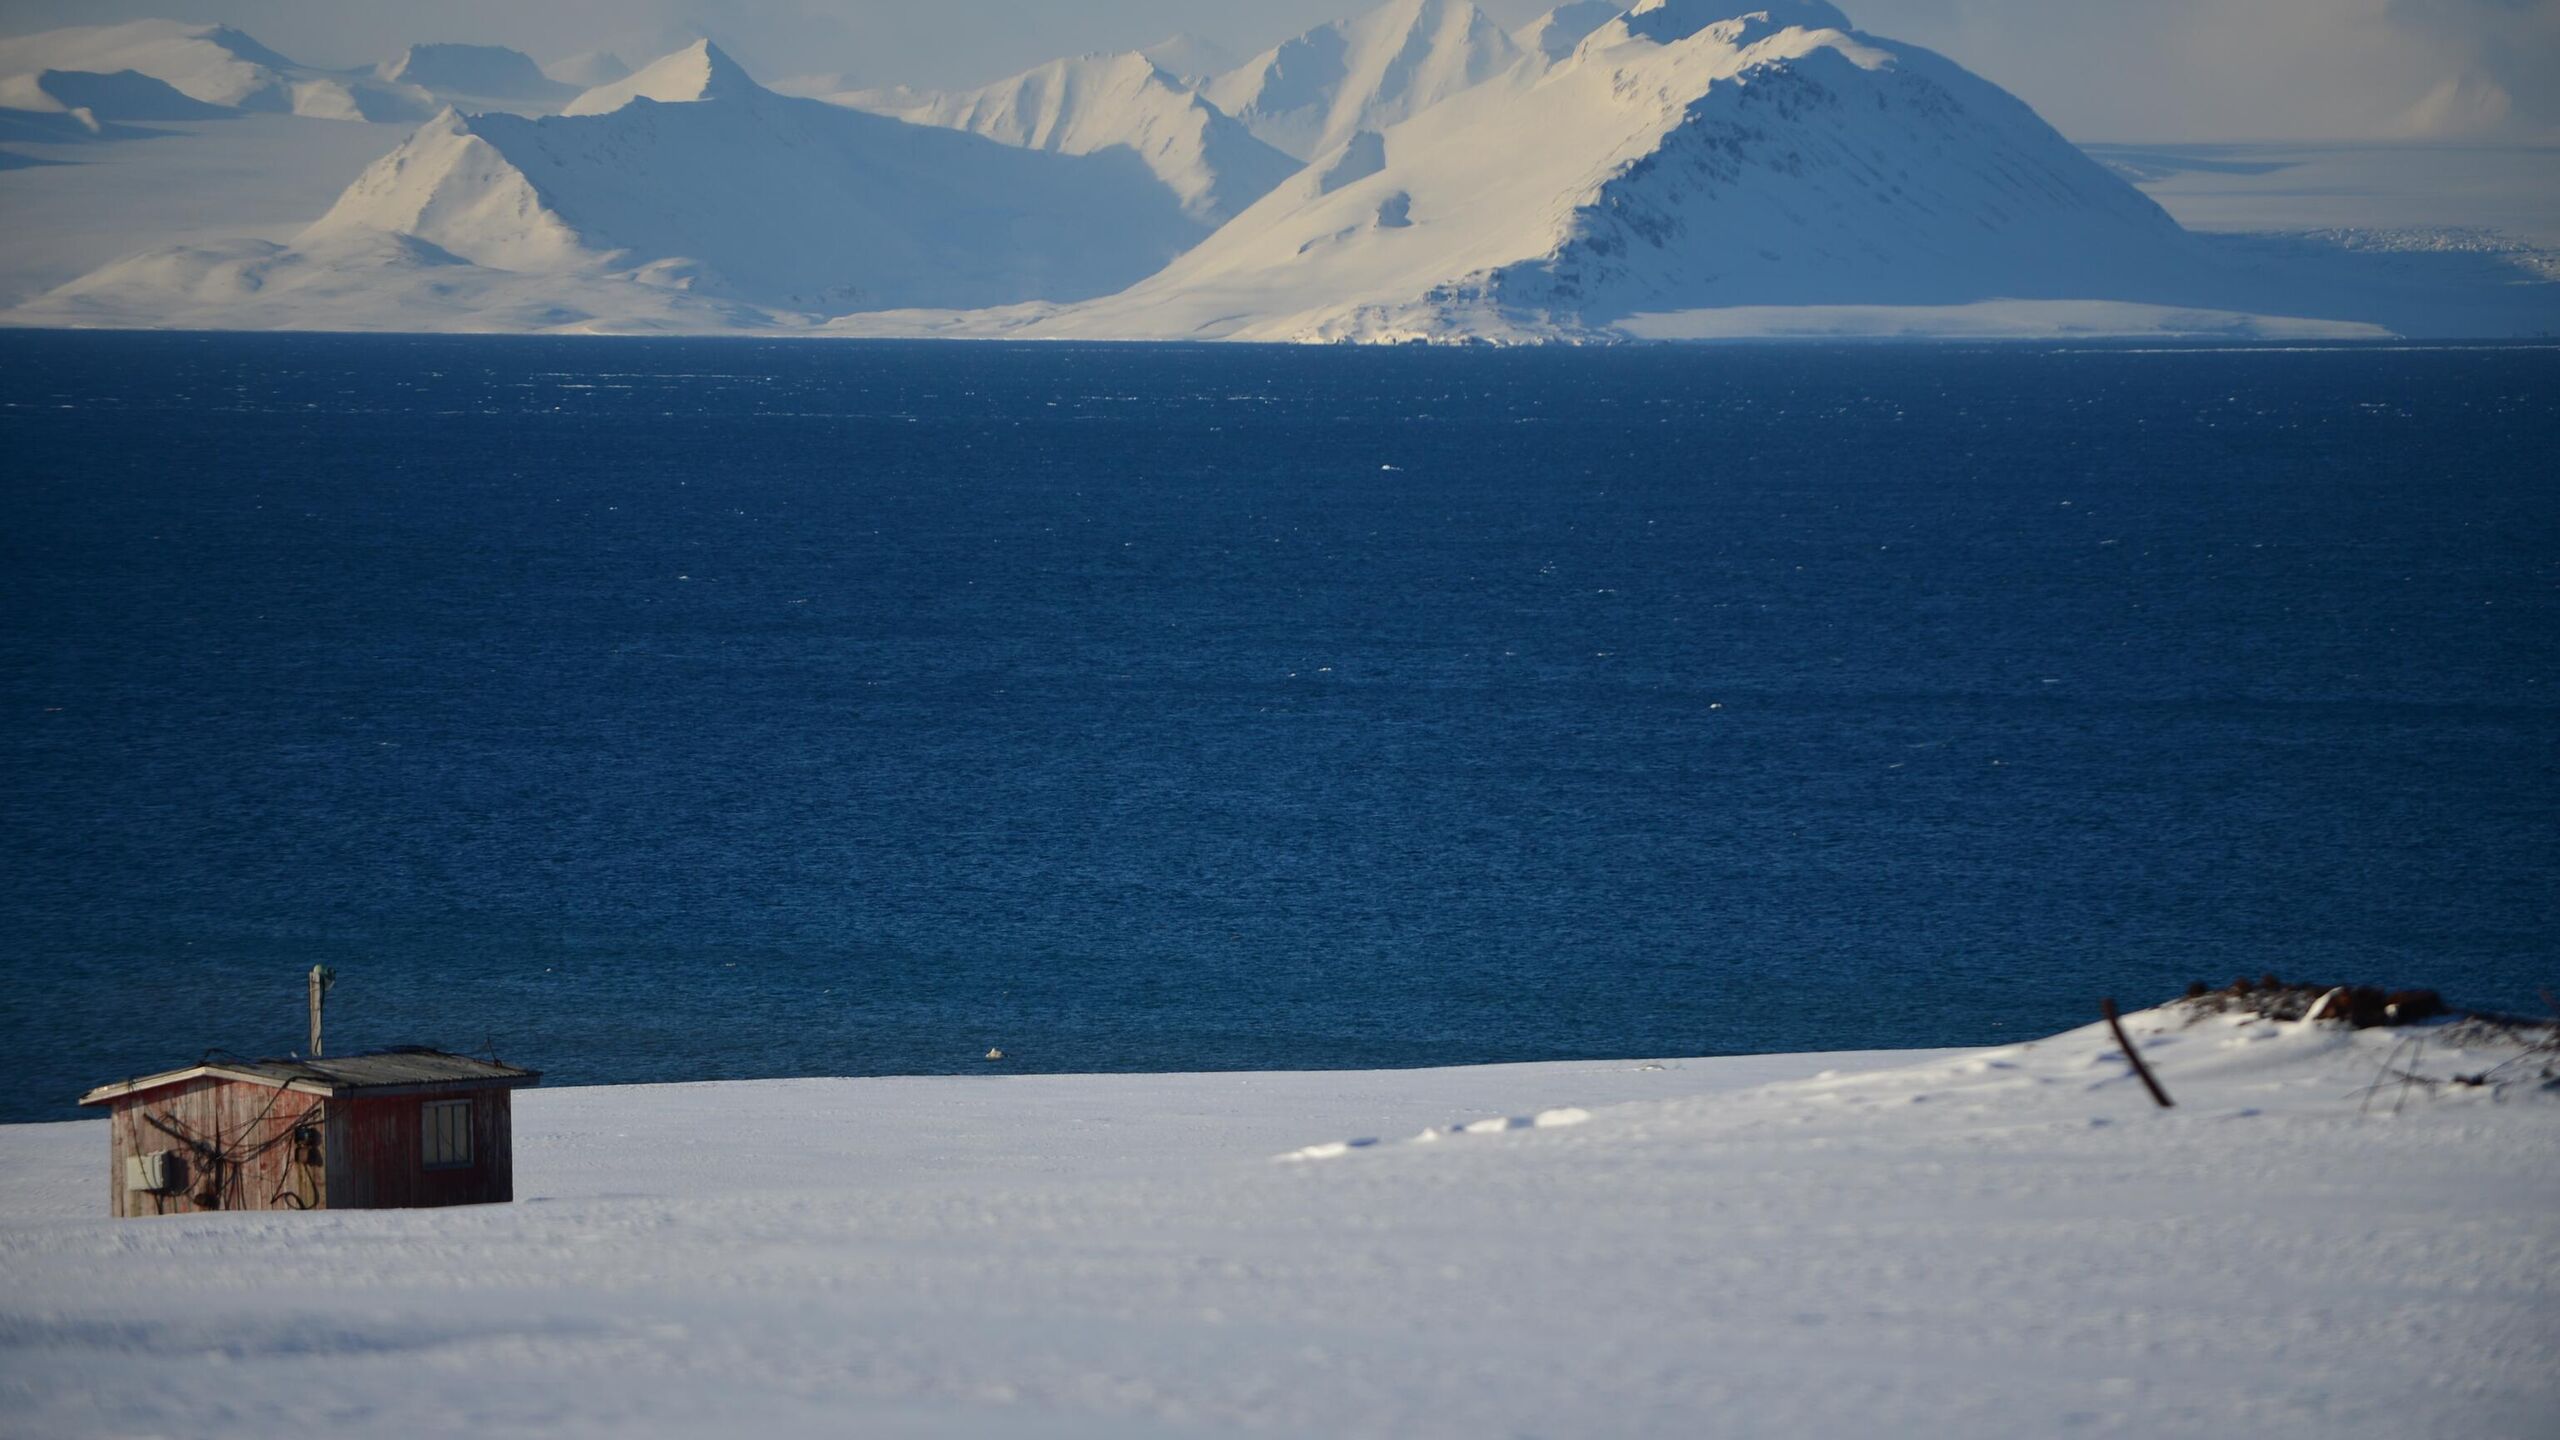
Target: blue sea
(647, 710)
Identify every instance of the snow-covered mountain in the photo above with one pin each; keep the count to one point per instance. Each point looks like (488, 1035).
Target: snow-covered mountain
(1096, 103)
(1558, 33)
(218, 66)
(1309, 94)
(490, 73)
(1678, 158)
(123, 95)
(1189, 58)
(1678, 170)
(691, 177)
(701, 71)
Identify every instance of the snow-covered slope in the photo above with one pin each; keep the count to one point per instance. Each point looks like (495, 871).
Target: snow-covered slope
(193, 183)
(123, 95)
(699, 71)
(1553, 36)
(2008, 1242)
(1189, 58)
(1093, 103)
(217, 66)
(374, 280)
(697, 179)
(1679, 158)
(478, 72)
(1313, 92)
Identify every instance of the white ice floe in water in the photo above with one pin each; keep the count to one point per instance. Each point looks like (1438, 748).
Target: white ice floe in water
(2013, 1241)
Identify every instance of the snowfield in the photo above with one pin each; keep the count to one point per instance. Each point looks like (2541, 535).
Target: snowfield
(2004, 1242)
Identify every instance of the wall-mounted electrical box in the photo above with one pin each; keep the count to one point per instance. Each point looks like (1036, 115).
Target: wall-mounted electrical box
(154, 1170)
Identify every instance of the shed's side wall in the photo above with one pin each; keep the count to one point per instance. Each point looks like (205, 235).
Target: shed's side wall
(377, 1155)
(234, 1140)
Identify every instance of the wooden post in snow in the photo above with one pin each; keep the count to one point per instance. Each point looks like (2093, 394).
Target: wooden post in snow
(2124, 1042)
(321, 979)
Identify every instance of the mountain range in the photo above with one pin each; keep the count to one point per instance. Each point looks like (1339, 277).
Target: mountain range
(133, 67)
(1678, 169)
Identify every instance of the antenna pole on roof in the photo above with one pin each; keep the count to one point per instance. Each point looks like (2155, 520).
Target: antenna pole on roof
(322, 977)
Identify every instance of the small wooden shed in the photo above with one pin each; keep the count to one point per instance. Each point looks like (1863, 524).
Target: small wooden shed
(399, 1129)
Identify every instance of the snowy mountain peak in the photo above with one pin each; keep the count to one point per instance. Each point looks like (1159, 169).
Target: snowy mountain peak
(214, 65)
(238, 44)
(1685, 157)
(1191, 58)
(1681, 169)
(1553, 36)
(748, 202)
(1667, 22)
(1115, 101)
(700, 71)
(1311, 93)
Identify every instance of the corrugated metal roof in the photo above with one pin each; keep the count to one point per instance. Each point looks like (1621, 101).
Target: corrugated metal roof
(402, 1067)
(410, 1068)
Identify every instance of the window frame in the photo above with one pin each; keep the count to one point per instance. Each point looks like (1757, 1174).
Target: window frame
(450, 1122)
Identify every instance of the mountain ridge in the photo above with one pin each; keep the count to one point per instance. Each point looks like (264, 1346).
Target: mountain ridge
(1311, 92)
(218, 66)
(1678, 168)
(1090, 103)
(1688, 158)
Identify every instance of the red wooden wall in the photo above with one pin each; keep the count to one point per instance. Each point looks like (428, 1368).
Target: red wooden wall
(239, 1150)
(236, 1143)
(376, 1154)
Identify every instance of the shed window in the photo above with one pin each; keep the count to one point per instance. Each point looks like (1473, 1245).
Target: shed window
(447, 1134)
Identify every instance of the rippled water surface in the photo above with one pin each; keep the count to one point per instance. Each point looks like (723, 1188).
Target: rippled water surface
(653, 710)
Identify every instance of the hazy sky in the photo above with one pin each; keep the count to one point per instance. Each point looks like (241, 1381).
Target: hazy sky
(2099, 69)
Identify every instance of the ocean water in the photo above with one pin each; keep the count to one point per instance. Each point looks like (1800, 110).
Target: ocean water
(677, 710)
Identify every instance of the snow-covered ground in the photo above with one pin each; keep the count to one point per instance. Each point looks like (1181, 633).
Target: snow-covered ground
(2008, 1242)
